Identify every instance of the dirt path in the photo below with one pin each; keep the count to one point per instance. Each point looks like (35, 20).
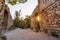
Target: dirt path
(26, 34)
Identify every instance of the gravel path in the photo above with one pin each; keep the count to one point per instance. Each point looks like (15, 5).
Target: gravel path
(27, 34)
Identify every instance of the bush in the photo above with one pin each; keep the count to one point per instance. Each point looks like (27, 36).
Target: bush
(27, 22)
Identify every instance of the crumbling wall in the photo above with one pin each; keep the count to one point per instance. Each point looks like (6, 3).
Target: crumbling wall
(51, 18)
(5, 16)
(49, 15)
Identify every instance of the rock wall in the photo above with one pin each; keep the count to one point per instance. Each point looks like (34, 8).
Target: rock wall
(49, 16)
(5, 17)
(34, 20)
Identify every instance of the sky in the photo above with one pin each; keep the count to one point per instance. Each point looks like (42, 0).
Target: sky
(26, 8)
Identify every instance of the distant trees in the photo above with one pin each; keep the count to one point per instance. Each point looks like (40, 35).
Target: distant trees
(19, 22)
(27, 22)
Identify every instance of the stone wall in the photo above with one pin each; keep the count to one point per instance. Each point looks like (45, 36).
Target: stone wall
(34, 20)
(50, 16)
(5, 17)
(51, 20)
(45, 3)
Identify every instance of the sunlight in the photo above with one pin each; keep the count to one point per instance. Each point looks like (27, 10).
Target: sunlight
(38, 18)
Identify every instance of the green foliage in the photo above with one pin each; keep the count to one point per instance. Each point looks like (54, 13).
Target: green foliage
(27, 20)
(17, 14)
(18, 22)
(13, 2)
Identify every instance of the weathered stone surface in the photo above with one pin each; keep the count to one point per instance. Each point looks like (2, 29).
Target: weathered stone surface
(50, 15)
(5, 17)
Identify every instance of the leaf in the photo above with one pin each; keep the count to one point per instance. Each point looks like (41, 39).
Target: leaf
(22, 1)
(13, 2)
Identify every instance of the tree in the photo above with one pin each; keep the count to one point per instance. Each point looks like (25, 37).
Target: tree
(17, 14)
(13, 2)
(27, 21)
(18, 22)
